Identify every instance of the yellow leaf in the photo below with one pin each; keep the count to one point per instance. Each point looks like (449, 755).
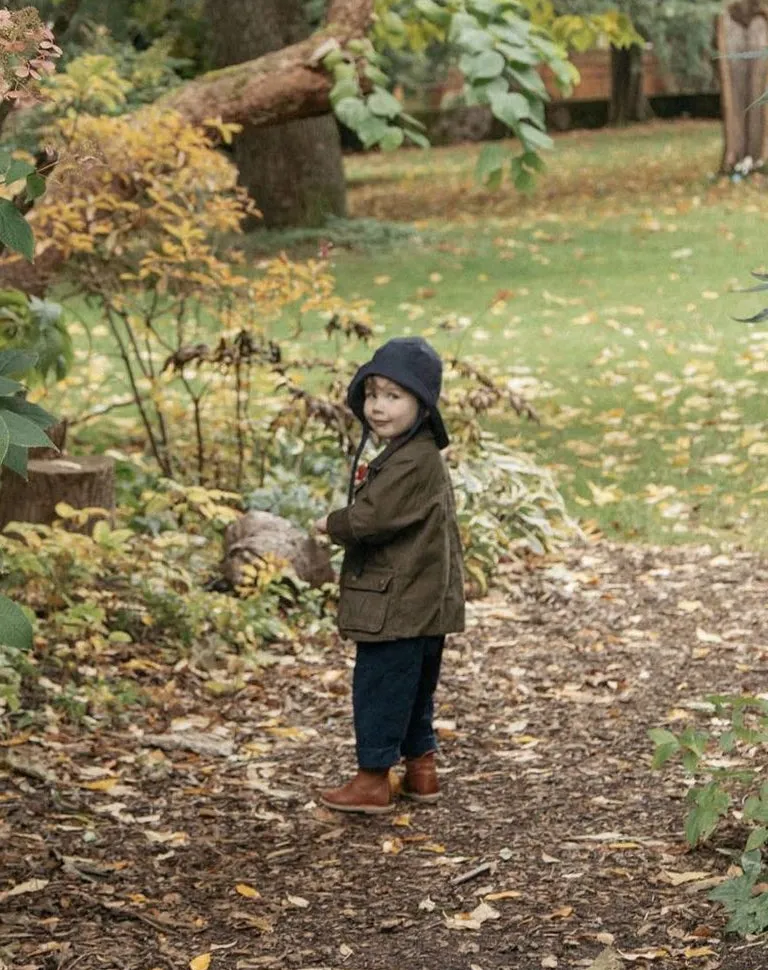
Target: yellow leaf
(680, 878)
(247, 891)
(604, 496)
(392, 846)
(201, 962)
(692, 952)
(65, 511)
(103, 784)
(433, 847)
(506, 894)
(403, 821)
(562, 913)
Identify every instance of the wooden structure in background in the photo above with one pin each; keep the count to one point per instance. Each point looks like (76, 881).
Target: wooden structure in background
(743, 28)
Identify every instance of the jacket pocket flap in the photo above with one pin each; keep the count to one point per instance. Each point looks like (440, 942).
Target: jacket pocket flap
(371, 581)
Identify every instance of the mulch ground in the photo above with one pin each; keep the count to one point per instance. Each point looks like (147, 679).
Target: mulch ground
(192, 833)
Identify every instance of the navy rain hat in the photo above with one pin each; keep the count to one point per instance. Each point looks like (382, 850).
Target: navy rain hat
(413, 364)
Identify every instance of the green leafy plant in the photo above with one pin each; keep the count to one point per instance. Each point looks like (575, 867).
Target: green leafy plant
(22, 427)
(499, 46)
(37, 326)
(506, 503)
(726, 765)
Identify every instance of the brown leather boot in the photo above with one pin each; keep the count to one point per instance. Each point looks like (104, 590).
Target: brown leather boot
(420, 782)
(368, 792)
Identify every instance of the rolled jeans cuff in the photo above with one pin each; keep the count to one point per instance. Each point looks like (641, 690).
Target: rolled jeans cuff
(415, 749)
(377, 759)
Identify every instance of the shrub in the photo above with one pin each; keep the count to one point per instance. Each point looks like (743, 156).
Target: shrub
(725, 766)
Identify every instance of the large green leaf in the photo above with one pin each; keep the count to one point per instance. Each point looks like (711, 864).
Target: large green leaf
(384, 104)
(15, 232)
(510, 107)
(352, 112)
(24, 433)
(31, 412)
(5, 440)
(18, 169)
(491, 159)
(15, 628)
(533, 139)
(489, 64)
(7, 386)
(16, 460)
(16, 361)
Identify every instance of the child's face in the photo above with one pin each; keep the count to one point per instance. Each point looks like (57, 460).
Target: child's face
(389, 409)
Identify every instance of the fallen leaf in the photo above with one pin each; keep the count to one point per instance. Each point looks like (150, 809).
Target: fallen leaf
(506, 894)
(609, 959)
(403, 821)
(679, 878)
(694, 952)
(474, 920)
(248, 891)
(433, 847)
(392, 846)
(428, 905)
(704, 637)
(30, 886)
(103, 784)
(658, 953)
(163, 838)
(298, 901)
(562, 913)
(201, 962)
(549, 962)
(345, 951)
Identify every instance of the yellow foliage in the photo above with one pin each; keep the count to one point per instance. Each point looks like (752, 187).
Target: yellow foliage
(90, 83)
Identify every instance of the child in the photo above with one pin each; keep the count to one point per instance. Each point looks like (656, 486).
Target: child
(401, 586)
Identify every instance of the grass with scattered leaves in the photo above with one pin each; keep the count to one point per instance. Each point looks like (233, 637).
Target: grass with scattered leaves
(608, 297)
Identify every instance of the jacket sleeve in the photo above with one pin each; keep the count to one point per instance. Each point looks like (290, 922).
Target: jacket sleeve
(392, 501)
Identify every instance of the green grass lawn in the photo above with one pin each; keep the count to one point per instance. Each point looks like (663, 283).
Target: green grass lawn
(607, 296)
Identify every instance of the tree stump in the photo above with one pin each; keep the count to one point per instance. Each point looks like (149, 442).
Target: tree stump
(82, 482)
(743, 28)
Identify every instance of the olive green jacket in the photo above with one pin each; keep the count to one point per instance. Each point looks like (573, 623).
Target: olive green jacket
(402, 574)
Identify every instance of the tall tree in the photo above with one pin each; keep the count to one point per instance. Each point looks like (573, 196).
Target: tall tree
(294, 170)
(742, 40)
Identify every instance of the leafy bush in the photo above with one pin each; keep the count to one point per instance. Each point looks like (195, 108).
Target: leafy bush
(36, 326)
(143, 213)
(726, 766)
(115, 602)
(506, 503)
(21, 427)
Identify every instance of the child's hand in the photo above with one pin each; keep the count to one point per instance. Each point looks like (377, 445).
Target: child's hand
(321, 525)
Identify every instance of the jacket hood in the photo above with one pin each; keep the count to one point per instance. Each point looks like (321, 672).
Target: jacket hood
(413, 364)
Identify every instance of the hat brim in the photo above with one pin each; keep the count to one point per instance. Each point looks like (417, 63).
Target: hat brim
(356, 396)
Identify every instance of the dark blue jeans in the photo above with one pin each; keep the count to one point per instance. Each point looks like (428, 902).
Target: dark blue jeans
(392, 698)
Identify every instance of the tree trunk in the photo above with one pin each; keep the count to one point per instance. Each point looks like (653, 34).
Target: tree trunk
(743, 28)
(628, 102)
(293, 171)
(83, 483)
